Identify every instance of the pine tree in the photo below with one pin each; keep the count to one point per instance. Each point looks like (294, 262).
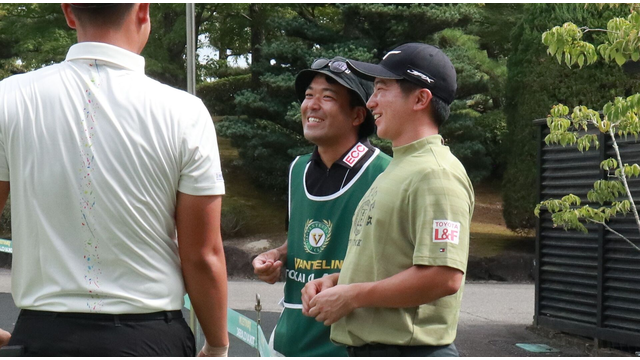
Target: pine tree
(267, 130)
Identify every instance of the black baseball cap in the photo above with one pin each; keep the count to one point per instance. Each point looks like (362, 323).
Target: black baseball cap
(424, 65)
(337, 69)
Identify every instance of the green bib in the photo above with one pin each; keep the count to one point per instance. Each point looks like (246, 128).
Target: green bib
(317, 242)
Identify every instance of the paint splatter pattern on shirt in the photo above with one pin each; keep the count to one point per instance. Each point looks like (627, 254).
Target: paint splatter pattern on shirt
(91, 257)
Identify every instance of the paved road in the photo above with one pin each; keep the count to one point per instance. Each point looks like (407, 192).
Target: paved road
(492, 320)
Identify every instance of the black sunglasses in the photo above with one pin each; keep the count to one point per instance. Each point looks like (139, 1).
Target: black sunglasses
(336, 66)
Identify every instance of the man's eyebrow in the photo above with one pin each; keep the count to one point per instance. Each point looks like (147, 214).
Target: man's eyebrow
(310, 87)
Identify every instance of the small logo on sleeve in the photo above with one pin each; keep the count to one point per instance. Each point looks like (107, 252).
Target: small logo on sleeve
(446, 231)
(355, 154)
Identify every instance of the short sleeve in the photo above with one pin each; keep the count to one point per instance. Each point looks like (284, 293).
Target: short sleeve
(440, 211)
(200, 173)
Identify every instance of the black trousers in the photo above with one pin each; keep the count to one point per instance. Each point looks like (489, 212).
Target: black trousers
(381, 350)
(44, 333)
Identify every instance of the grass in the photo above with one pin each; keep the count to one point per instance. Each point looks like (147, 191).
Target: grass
(489, 244)
(266, 214)
(489, 234)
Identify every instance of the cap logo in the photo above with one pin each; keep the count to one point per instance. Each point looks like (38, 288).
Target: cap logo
(391, 53)
(421, 75)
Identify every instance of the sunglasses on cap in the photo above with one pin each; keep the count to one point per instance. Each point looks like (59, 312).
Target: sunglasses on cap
(336, 66)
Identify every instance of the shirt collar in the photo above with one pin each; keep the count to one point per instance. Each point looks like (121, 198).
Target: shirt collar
(106, 52)
(416, 146)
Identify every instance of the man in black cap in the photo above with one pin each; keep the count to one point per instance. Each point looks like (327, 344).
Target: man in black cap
(400, 288)
(324, 188)
(116, 190)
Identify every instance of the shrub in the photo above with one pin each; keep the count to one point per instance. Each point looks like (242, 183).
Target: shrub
(218, 96)
(5, 220)
(232, 220)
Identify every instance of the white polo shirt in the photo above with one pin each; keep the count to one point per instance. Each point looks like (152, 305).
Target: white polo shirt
(95, 152)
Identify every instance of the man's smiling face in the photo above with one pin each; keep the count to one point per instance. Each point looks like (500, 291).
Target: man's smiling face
(327, 116)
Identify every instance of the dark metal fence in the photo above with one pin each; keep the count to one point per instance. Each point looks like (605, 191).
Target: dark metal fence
(586, 284)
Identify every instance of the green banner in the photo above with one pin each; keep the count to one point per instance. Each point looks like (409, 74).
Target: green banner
(248, 331)
(5, 246)
(243, 328)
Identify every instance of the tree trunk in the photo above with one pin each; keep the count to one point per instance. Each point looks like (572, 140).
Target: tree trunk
(256, 13)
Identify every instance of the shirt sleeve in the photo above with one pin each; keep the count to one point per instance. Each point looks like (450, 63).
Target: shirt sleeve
(201, 173)
(4, 114)
(440, 213)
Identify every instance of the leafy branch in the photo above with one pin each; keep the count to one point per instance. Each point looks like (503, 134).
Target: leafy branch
(621, 118)
(622, 43)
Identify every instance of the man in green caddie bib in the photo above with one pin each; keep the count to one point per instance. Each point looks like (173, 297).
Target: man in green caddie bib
(324, 189)
(399, 291)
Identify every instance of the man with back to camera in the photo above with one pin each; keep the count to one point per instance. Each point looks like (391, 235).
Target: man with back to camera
(104, 165)
(324, 188)
(400, 288)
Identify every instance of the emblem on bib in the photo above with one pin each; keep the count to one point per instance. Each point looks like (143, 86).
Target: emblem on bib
(316, 236)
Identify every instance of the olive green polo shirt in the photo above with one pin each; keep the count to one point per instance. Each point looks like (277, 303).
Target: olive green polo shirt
(417, 212)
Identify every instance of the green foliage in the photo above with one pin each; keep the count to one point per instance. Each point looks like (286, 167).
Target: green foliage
(283, 39)
(218, 95)
(535, 83)
(620, 118)
(566, 40)
(37, 35)
(493, 25)
(5, 220)
(260, 145)
(471, 140)
(34, 34)
(565, 212)
(166, 49)
(365, 32)
(621, 43)
(476, 127)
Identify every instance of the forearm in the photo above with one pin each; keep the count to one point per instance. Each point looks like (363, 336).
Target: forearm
(412, 287)
(203, 263)
(282, 252)
(206, 284)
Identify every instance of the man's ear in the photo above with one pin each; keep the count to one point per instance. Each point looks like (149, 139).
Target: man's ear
(142, 13)
(423, 98)
(361, 114)
(68, 14)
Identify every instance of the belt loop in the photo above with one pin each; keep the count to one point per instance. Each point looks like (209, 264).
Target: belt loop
(168, 317)
(116, 320)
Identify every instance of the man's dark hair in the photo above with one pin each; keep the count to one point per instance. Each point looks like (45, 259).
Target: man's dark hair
(368, 127)
(439, 109)
(102, 15)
